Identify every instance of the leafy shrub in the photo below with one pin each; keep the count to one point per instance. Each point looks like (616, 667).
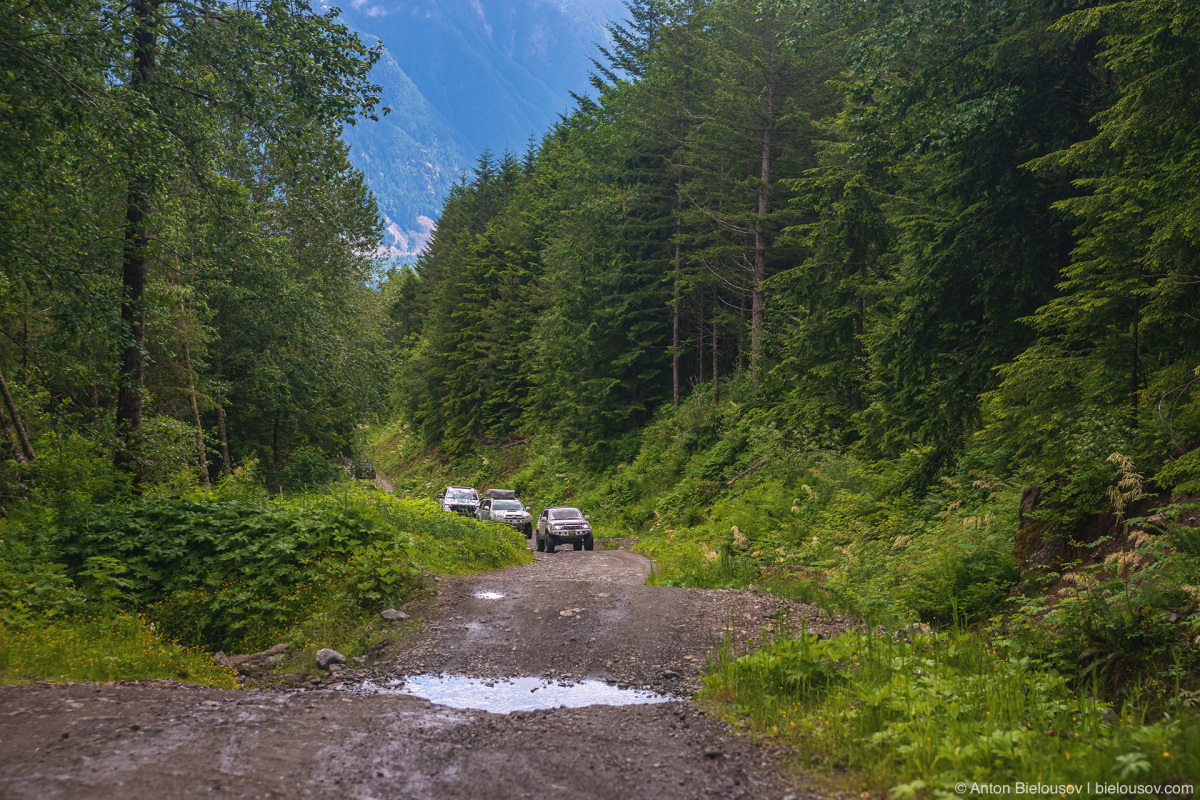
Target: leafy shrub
(309, 468)
(380, 573)
(168, 451)
(35, 592)
(1125, 627)
(72, 470)
(238, 573)
(1181, 475)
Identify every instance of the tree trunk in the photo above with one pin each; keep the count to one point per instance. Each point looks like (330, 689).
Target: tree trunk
(10, 436)
(679, 228)
(136, 264)
(15, 414)
(191, 384)
(859, 306)
(741, 335)
(1133, 369)
(226, 461)
(675, 303)
(760, 234)
(715, 375)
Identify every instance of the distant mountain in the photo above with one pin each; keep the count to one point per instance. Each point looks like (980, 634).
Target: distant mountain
(463, 76)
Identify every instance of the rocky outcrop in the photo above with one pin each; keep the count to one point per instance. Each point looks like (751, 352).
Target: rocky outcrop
(1043, 545)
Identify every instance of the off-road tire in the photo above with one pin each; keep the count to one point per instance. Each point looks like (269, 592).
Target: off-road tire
(588, 543)
(577, 545)
(550, 545)
(541, 544)
(528, 531)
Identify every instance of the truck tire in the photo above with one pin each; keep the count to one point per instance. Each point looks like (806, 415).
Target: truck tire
(588, 542)
(528, 531)
(541, 544)
(550, 545)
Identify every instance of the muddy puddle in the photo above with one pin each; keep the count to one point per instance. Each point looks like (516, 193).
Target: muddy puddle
(506, 695)
(488, 595)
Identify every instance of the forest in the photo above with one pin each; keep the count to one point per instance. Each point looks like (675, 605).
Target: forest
(933, 225)
(888, 306)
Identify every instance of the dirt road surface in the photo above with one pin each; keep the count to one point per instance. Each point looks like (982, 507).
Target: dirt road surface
(570, 616)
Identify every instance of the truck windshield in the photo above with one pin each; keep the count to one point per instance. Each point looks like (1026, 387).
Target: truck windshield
(461, 494)
(507, 505)
(566, 513)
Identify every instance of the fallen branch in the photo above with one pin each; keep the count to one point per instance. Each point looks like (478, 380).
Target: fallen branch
(748, 469)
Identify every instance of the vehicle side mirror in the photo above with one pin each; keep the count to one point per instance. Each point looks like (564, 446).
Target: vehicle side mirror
(586, 518)
(441, 497)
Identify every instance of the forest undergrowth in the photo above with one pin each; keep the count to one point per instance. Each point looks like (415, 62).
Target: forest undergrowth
(123, 587)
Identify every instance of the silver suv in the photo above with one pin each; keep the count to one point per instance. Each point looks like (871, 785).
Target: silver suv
(563, 525)
(459, 499)
(508, 510)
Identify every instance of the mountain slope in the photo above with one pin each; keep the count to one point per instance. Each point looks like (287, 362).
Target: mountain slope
(410, 158)
(463, 76)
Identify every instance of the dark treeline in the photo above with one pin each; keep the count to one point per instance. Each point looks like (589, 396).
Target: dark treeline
(904, 224)
(185, 248)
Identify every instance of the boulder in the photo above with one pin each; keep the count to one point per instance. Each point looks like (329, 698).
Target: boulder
(327, 657)
(392, 615)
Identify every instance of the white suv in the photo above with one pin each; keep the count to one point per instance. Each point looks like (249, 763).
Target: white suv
(459, 499)
(563, 525)
(508, 510)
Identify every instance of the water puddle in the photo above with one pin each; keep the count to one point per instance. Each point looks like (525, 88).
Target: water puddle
(489, 595)
(506, 695)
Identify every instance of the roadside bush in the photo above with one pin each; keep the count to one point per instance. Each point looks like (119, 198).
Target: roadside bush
(235, 570)
(309, 468)
(922, 716)
(1128, 627)
(35, 592)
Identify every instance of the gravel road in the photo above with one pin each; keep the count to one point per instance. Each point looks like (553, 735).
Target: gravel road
(570, 616)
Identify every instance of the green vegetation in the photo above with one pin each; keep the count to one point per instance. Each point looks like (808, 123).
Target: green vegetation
(225, 568)
(186, 249)
(889, 307)
(922, 716)
(102, 648)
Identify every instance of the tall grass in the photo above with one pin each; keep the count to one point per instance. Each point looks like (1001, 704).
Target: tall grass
(102, 648)
(920, 716)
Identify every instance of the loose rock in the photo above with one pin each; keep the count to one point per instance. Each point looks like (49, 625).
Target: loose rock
(327, 657)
